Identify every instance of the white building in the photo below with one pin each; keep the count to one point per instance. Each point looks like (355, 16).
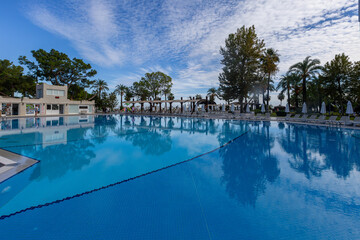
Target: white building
(50, 100)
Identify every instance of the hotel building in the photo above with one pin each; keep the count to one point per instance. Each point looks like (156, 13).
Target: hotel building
(50, 100)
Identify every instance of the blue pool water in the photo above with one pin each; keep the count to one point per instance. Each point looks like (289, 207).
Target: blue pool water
(119, 177)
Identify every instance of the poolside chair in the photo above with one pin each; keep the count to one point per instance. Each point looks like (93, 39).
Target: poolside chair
(312, 118)
(321, 119)
(331, 120)
(345, 120)
(356, 121)
(295, 118)
(252, 116)
(260, 117)
(240, 116)
(288, 116)
(248, 116)
(303, 118)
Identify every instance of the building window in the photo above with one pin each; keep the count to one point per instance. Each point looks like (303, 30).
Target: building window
(48, 107)
(53, 92)
(73, 108)
(55, 107)
(83, 107)
(39, 93)
(30, 109)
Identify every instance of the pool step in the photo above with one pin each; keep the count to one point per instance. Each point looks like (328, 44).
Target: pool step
(13, 163)
(7, 162)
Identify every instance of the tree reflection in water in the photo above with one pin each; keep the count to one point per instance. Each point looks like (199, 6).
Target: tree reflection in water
(153, 138)
(60, 158)
(315, 149)
(248, 164)
(153, 134)
(230, 130)
(104, 124)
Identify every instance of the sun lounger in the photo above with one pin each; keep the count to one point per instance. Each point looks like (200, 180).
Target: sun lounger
(356, 121)
(249, 116)
(321, 119)
(332, 120)
(312, 118)
(260, 117)
(345, 120)
(303, 118)
(295, 118)
(288, 116)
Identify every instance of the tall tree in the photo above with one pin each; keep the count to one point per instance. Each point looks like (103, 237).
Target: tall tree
(241, 59)
(140, 90)
(316, 93)
(354, 88)
(269, 62)
(12, 80)
(306, 69)
(287, 83)
(106, 101)
(165, 84)
(120, 89)
(57, 68)
(130, 93)
(337, 75)
(99, 86)
(152, 85)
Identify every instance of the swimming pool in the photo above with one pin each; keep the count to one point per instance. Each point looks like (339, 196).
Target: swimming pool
(123, 177)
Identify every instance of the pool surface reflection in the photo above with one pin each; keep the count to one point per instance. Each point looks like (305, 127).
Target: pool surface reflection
(110, 179)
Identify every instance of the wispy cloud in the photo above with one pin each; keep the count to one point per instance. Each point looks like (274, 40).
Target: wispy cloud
(90, 25)
(183, 38)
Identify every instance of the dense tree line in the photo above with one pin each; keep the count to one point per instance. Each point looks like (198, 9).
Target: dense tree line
(150, 87)
(54, 67)
(58, 69)
(13, 79)
(334, 83)
(249, 68)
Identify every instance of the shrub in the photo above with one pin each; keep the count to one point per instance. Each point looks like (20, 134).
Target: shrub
(281, 114)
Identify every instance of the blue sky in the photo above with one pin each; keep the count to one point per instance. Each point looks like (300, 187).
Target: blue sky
(125, 39)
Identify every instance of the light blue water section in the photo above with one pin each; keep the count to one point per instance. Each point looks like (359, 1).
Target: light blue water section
(277, 181)
(75, 158)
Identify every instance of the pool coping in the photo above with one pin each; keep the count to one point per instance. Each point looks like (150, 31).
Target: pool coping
(14, 164)
(193, 115)
(238, 118)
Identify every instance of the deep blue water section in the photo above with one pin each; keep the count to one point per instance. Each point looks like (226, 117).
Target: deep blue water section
(275, 181)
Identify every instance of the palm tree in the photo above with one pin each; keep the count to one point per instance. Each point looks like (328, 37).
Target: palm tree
(198, 97)
(120, 89)
(306, 69)
(100, 85)
(270, 59)
(171, 96)
(281, 97)
(166, 92)
(212, 93)
(287, 82)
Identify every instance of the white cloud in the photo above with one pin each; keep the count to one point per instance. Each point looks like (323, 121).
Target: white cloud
(187, 35)
(90, 25)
